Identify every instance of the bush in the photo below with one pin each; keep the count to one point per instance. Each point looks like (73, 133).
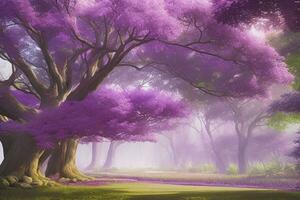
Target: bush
(208, 168)
(290, 169)
(232, 169)
(273, 168)
(257, 169)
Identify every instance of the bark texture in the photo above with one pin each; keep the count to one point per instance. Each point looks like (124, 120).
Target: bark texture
(62, 161)
(21, 158)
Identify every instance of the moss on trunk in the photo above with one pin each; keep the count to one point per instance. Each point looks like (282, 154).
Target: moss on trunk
(22, 159)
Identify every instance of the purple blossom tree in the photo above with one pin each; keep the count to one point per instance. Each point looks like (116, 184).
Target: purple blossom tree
(61, 51)
(284, 14)
(128, 116)
(246, 116)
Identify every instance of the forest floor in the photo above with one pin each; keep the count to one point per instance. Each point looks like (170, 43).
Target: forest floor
(145, 191)
(199, 179)
(162, 185)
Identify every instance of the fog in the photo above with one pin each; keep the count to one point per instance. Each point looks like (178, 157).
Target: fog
(192, 151)
(207, 139)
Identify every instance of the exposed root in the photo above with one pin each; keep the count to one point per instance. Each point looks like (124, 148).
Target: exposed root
(75, 175)
(35, 180)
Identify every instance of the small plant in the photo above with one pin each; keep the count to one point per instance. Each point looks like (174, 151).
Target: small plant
(257, 169)
(273, 168)
(290, 169)
(208, 168)
(232, 169)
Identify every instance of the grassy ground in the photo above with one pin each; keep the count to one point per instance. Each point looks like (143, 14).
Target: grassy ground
(145, 191)
(204, 179)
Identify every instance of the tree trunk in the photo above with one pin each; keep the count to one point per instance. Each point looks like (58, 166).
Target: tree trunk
(21, 158)
(174, 154)
(242, 160)
(95, 164)
(63, 161)
(6, 141)
(217, 155)
(219, 161)
(110, 154)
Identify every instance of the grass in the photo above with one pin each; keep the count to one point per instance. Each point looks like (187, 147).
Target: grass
(208, 179)
(145, 191)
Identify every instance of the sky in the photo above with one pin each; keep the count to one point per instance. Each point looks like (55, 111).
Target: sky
(4, 73)
(1, 153)
(5, 69)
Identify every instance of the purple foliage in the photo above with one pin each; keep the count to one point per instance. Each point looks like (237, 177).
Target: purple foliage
(26, 99)
(206, 53)
(234, 65)
(247, 11)
(296, 152)
(133, 115)
(289, 102)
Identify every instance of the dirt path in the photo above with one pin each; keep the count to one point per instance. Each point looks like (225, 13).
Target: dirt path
(242, 183)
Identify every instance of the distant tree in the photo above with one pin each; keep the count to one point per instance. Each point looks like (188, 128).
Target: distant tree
(286, 111)
(246, 116)
(209, 123)
(108, 163)
(96, 154)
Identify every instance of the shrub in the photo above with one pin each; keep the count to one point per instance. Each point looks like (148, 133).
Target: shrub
(232, 169)
(257, 169)
(208, 168)
(273, 168)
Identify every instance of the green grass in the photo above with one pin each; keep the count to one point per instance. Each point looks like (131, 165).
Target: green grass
(145, 191)
(180, 176)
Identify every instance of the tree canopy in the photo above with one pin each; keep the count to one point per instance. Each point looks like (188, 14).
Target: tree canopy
(117, 115)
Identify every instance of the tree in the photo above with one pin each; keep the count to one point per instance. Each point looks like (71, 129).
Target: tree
(246, 116)
(96, 152)
(127, 116)
(111, 154)
(286, 111)
(209, 117)
(63, 50)
(246, 11)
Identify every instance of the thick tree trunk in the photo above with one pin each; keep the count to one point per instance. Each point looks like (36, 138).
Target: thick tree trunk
(63, 161)
(6, 143)
(21, 158)
(95, 164)
(110, 154)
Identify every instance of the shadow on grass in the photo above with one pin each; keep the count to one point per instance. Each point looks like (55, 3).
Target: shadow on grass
(61, 194)
(86, 193)
(224, 195)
